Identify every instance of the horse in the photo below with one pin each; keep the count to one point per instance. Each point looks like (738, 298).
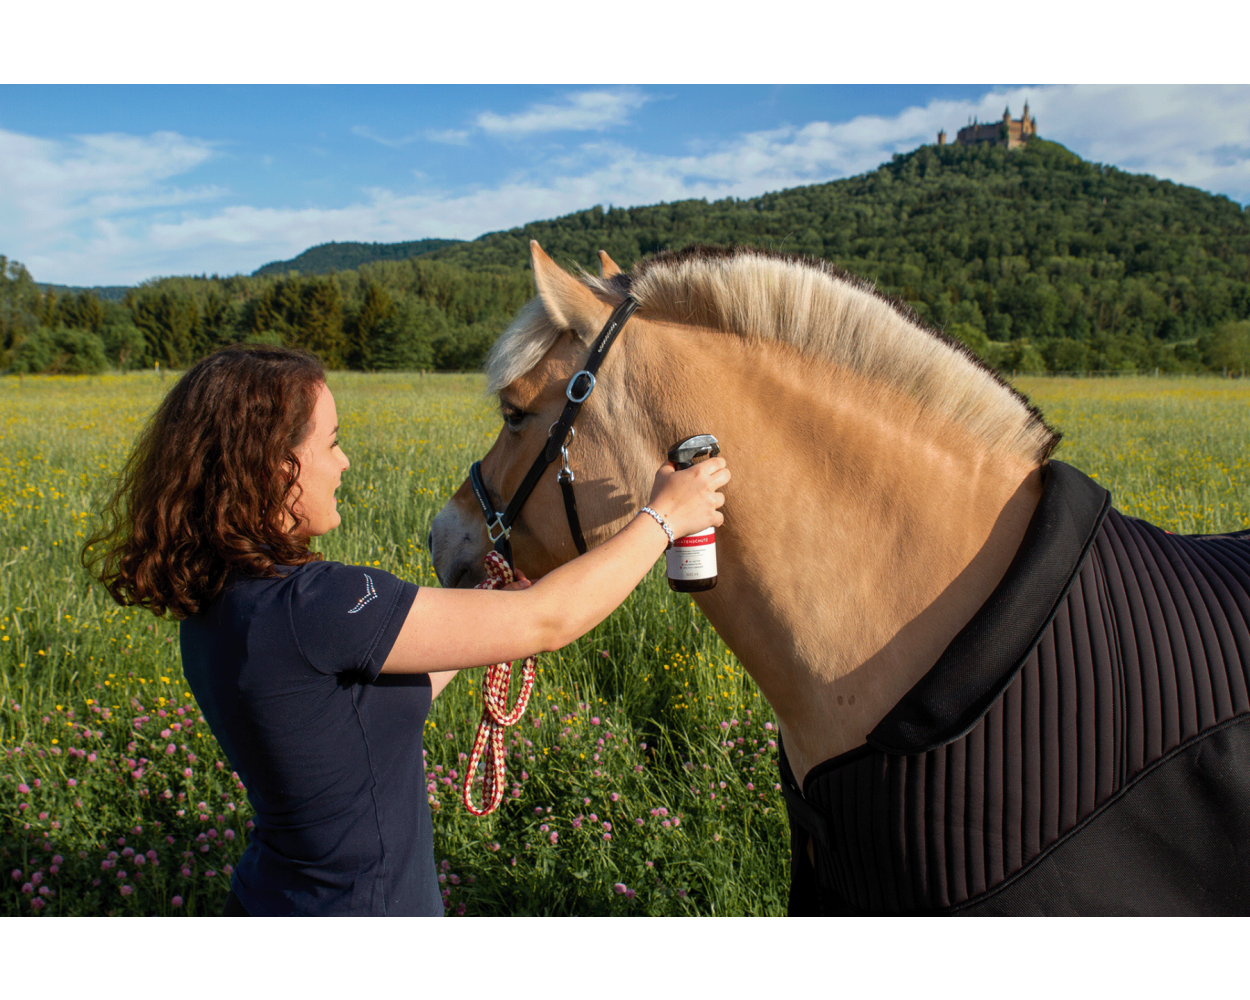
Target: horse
(996, 693)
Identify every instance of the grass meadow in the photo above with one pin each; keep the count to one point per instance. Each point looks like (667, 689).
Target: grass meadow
(642, 780)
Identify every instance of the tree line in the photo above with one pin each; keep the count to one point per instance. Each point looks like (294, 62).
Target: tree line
(1035, 258)
(389, 315)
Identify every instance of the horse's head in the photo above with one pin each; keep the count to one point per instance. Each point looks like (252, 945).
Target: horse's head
(610, 457)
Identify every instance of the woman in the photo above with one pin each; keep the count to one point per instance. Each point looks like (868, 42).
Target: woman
(316, 677)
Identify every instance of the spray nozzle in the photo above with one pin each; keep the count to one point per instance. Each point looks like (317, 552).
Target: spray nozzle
(685, 453)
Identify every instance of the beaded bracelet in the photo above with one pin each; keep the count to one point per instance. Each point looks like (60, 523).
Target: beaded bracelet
(661, 522)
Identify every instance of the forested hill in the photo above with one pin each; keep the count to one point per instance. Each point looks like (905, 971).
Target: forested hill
(330, 257)
(941, 209)
(1034, 258)
(1034, 244)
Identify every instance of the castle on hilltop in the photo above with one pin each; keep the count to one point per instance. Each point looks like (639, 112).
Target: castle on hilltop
(1010, 132)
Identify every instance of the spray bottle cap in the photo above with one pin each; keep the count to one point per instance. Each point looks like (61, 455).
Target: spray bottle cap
(685, 453)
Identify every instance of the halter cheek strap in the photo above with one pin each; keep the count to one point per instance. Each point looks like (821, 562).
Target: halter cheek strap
(581, 385)
(489, 743)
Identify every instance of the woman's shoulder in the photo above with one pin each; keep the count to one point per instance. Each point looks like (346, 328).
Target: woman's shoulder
(342, 615)
(326, 580)
(314, 583)
(335, 615)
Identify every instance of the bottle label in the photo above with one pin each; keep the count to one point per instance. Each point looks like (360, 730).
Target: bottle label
(693, 557)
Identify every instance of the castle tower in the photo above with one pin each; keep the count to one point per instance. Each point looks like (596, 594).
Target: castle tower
(1028, 125)
(942, 137)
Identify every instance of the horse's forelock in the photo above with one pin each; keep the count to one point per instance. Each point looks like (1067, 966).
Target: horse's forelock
(521, 346)
(531, 334)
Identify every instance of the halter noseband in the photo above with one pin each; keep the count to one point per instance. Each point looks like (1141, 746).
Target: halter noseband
(581, 385)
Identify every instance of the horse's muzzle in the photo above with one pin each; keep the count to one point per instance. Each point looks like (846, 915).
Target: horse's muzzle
(457, 543)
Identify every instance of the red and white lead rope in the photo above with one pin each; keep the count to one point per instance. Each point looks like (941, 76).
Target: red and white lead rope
(496, 716)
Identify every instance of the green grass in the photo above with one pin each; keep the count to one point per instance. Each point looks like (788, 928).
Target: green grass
(686, 761)
(1172, 451)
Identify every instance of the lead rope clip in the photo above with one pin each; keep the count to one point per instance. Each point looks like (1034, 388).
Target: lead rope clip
(496, 716)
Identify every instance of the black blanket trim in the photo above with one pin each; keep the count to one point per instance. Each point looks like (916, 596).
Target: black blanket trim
(986, 655)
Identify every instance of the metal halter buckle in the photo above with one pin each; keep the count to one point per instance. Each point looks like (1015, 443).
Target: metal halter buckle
(568, 390)
(565, 474)
(504, 532)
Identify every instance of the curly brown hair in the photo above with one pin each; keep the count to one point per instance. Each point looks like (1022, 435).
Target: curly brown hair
(206, 492)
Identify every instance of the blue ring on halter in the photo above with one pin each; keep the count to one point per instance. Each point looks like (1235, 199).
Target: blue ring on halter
(568, 390)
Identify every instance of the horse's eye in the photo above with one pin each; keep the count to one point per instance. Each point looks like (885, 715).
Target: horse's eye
(512, 416)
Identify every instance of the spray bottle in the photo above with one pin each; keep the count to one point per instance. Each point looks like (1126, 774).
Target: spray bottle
(692, 558)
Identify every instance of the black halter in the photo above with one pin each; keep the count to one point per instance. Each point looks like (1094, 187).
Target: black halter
(581, 385)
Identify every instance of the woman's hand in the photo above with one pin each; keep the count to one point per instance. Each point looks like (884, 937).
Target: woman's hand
(690, 500)
(521, 581)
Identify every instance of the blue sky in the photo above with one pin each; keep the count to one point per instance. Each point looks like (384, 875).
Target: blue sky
(112, 184)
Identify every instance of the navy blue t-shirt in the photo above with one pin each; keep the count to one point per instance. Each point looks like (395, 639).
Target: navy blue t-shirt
(287, 673)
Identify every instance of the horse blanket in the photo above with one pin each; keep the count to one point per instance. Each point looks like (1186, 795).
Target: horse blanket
(1081, 747)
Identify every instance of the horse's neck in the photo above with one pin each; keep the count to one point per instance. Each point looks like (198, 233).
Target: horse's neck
(861, 533)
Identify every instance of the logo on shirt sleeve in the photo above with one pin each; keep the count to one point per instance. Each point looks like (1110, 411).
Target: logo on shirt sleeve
(371, 593)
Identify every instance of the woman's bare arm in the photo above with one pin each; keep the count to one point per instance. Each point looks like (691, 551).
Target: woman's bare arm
(439, 679)
(455, 629)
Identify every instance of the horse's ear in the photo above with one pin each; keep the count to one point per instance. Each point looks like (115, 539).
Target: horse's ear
(607, 266)
(569, 303)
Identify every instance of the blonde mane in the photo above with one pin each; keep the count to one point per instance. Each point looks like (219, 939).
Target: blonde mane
(815, 308)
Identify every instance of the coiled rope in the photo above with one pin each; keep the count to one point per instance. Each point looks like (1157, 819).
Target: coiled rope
(496, 716)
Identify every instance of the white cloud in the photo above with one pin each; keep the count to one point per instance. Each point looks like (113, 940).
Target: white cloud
(588, 111)
(58, 195)
(449, 136)
(92, 220)
(365, 132)
(48, 184)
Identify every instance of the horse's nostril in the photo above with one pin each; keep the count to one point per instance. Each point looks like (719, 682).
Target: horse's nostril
(429, 540)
